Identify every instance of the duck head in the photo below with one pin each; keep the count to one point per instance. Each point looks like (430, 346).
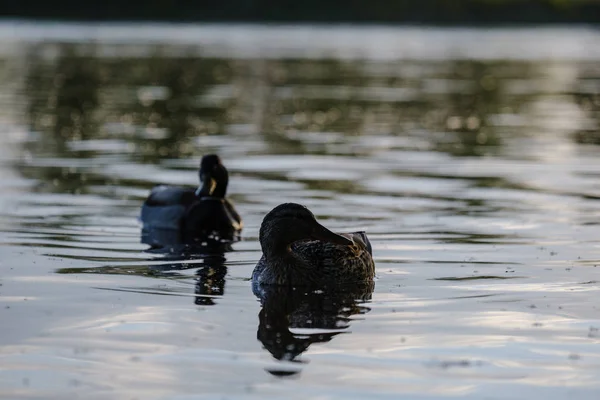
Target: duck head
(291, 222)
(213, 177)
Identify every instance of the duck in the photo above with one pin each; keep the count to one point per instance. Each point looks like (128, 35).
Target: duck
(196, 215)
(299, 251)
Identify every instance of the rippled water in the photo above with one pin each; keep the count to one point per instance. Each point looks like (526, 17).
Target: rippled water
(470, 157)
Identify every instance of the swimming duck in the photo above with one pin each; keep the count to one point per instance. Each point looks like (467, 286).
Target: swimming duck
(297, 250)
(196, 214)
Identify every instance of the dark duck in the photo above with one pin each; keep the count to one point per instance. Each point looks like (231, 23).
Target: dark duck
(192, 216)
(297, 250)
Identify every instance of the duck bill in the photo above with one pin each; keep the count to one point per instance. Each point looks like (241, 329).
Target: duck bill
(207, 188)
(324, 234)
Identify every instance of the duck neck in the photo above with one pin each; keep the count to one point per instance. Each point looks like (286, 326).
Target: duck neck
(220, 189)
(213, 188)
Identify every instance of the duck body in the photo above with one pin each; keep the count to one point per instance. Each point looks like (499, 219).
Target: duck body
(179, 215)
(201, 220)
(319, 263)
(297, 250)
(212, 216)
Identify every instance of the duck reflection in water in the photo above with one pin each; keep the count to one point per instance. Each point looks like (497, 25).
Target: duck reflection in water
(202, 217)
(308, 278)
(289, 316)
(210, 281)
(210, 276)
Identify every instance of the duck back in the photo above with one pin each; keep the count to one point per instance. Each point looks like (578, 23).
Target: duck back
(175, 215)
(165, 207)
(164, 195)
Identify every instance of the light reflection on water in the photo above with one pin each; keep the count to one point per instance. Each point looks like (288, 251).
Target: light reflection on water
(476, 179)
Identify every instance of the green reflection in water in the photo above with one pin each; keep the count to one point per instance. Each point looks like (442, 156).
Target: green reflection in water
(146, 110)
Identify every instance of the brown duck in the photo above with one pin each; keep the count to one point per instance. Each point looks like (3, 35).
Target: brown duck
(297, 250)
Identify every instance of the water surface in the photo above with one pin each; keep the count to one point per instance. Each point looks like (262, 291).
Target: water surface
(470, 157)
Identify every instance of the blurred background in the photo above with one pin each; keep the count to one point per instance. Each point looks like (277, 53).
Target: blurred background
(463, 136)
(438, 12)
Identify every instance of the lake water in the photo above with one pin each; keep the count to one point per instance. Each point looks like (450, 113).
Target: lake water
(470, 157)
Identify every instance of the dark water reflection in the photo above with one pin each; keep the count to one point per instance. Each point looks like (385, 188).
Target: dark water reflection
(470, 159)
(320, 316)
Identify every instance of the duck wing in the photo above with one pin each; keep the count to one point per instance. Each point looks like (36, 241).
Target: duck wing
(320, 264)
(339, 264)
(165, 207)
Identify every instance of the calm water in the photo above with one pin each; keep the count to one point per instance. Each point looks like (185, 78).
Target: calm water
(470, 157)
